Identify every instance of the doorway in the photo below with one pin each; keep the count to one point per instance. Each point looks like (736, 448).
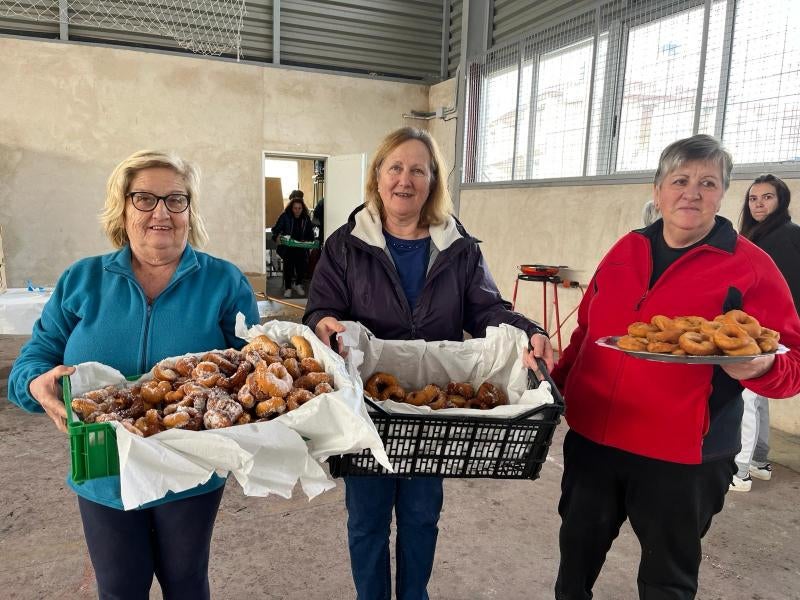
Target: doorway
(284, 174)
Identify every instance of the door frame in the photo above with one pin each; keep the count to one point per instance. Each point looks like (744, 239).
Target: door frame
(279, 154)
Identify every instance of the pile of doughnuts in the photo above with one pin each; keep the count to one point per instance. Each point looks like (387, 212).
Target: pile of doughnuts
(733, 334)
(219, 389)
(385, 386)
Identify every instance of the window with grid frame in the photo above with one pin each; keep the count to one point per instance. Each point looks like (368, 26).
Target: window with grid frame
(603, 93)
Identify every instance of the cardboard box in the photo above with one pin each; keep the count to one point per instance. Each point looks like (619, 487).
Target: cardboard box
(3, 284)
(258, 281)
(273, 200)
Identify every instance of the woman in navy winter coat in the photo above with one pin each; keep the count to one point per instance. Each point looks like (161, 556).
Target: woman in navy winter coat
(406, 269)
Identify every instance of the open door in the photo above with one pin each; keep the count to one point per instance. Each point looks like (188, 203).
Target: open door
(344, 183)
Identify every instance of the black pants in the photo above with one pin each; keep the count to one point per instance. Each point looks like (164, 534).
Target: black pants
(294, 265)
(170, 540)
(669, 505)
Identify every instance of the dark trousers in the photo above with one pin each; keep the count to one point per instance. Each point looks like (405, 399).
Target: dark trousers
(295, 261)
(417, 503)
(170, 540)
(669, 505)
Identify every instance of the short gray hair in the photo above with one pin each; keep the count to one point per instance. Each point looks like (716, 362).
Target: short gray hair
(700, 147)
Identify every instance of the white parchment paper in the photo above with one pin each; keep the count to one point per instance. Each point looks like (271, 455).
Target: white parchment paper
(495, 358)
(265, 458)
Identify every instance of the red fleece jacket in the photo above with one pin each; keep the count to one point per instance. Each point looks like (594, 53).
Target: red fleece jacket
(666, 410)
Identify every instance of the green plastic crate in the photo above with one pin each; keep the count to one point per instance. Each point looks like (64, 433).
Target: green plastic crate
(93, 446)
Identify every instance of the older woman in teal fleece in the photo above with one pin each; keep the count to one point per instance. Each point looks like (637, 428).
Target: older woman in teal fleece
(155, 297)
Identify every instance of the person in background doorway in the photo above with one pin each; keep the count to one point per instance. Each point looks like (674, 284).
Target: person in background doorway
(293, 224)
(766, 222)
(650, 214)
(319, 219)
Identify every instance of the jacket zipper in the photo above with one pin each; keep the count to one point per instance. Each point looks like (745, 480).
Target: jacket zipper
(148, 309)
(648, 289)
(143, 357)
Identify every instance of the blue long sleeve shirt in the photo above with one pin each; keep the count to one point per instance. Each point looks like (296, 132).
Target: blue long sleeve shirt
(99, 312)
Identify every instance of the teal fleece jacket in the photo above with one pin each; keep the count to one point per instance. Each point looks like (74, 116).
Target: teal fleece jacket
(99, 312)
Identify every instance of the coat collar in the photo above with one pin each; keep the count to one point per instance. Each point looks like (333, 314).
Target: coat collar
(724, 237)
(368, 227)
(120, 261)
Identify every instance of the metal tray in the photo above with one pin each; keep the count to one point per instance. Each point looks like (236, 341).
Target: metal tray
(611, 342)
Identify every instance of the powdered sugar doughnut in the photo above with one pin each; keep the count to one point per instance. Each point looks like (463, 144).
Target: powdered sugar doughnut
(273, 380)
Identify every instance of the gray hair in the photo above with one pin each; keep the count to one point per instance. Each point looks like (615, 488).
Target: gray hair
(650, 214)
(700, 147)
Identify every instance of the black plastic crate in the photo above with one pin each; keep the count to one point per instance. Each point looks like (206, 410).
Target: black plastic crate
(439, 445)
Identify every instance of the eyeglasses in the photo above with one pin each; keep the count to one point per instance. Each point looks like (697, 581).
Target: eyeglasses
(147, 202)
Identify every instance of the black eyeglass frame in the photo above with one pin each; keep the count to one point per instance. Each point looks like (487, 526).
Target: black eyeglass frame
(160, 198)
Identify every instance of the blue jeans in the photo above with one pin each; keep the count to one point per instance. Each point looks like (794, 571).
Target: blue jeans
(417, 503)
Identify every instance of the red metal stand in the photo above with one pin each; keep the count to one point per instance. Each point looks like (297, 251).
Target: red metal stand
(556, 281)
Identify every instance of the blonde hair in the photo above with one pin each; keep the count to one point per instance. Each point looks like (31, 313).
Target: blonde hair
(113, 216)
(438, 206)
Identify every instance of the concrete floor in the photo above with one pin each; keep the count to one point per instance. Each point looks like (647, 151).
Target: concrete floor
(498, 539)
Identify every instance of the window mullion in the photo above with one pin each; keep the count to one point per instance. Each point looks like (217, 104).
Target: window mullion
(724, 74)
(701, 70)
(588, 135)
(532, 113)
(616, 90)
(516, 112)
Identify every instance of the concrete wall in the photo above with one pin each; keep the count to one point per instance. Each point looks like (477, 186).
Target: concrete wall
(69, 113)
(443, 95)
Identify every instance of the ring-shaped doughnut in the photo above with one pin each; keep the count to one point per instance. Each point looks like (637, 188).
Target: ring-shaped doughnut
(697, 344)
(743, 320)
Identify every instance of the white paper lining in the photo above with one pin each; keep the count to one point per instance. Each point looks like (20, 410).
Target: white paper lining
(495, 358)
(265, 458)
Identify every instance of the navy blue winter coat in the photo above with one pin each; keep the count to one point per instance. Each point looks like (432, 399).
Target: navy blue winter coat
(356, 280)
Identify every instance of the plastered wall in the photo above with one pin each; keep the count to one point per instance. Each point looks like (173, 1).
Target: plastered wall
(69, 113)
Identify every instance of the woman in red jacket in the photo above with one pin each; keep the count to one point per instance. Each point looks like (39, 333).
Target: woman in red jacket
(654, 442)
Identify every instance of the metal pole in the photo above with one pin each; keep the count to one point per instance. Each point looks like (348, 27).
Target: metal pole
(588, 136)
(276, 32)
(63, 20)
(516, 112)
(701, 69)
(443, 68)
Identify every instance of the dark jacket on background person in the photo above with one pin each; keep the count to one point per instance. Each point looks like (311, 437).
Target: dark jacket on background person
(356, 280)
(783, 245)
(673, 412)
(299, 229)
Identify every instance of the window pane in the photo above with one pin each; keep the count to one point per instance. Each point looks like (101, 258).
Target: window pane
(762, 116)
(562, 97)
(498, 106)
(660, 87)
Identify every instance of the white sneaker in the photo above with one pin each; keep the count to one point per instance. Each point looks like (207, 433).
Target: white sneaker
(764, 473)
(287, 293)
(298, 289)
(741, 484)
